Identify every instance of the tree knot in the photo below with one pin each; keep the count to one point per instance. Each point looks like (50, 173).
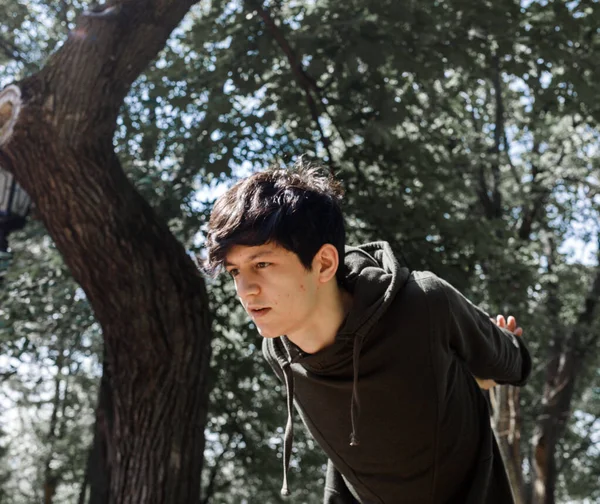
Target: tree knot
(10, 105)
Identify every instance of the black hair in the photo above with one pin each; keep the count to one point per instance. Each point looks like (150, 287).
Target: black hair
(297, 208)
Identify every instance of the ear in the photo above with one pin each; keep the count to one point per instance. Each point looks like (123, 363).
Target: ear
(326, 262)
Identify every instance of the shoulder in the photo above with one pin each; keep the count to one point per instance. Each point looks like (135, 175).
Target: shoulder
(422, 295)
(424, 279)
(428, 293)
(427, 284)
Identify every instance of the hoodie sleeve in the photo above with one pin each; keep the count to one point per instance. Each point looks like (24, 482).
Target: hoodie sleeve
(336, 491)
(489, 351)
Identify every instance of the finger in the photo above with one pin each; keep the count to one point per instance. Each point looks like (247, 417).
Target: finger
(518, 331)
(485, 384)
(500, 321)
(511, 323)
(488, 384)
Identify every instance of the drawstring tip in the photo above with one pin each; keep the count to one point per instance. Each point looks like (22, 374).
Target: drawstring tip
(354, 440)
(285, 491)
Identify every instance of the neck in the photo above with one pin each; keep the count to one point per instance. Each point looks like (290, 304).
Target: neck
(329, 315)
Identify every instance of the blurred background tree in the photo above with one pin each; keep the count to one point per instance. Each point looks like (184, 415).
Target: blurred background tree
(466, 134)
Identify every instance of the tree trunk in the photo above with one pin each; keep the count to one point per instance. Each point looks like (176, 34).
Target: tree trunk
(84, 485)
(51, 479)
(556, 410)
(507, 424)
(49, 490)
(98, 470)
(567, 352)
(56, 131)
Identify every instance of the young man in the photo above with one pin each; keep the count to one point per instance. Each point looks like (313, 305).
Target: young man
(380, 361)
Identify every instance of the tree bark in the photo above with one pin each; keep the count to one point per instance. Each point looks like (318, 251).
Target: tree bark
(56, 131)
(98, 471)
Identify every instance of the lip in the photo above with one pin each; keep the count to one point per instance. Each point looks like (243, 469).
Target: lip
(257, 313)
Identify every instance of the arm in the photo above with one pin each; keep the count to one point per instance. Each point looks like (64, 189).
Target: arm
(336, 491)
(490, 352)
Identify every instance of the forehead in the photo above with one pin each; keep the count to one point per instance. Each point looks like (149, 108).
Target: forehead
(240, 254)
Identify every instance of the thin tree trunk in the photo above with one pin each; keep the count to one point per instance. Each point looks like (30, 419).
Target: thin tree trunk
(97, 473)
(505, 400)
(56, 134)
(84, 485)
(507, 424)
(550, 428)
(210, 488)
(51, 479)
(567, 355)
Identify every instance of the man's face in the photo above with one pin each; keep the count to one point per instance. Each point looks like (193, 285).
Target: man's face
(276, 290)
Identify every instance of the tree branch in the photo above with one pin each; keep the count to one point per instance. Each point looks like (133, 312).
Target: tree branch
(481, 187)
(587, 316)
(530, 214)
(88, 78)
(12, 51)
(306, 82)
(10, 106)
(498, 134)
(311, 89)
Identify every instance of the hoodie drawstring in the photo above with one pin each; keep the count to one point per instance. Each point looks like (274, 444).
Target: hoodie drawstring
(355, 402)
(288, 439)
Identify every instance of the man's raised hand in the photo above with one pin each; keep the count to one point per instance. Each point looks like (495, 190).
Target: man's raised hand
(511, 325)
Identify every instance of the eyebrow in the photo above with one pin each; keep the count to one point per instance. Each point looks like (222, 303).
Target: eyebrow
(252, 257)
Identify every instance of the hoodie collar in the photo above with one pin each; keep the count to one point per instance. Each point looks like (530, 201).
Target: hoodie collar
(373, 277)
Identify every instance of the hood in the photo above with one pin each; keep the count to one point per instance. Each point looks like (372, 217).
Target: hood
(373, 277)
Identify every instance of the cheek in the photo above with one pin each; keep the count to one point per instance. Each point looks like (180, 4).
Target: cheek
(303, 298)
(290, 300)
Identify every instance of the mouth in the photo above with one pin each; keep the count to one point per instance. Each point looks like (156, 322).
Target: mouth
(258, 312)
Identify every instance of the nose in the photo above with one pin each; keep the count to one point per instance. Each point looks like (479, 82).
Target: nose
(246, 286)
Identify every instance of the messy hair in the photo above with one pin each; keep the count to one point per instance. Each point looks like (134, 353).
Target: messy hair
(296, 208)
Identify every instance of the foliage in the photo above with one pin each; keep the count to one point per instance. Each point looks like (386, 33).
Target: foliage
(50, 343)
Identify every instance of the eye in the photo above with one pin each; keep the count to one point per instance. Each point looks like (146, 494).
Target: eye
(262, 265)
(233, 272)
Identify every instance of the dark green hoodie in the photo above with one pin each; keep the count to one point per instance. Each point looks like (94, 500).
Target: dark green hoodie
(393, 401)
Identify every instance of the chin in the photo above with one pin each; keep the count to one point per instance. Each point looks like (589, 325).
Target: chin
(266, 333)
